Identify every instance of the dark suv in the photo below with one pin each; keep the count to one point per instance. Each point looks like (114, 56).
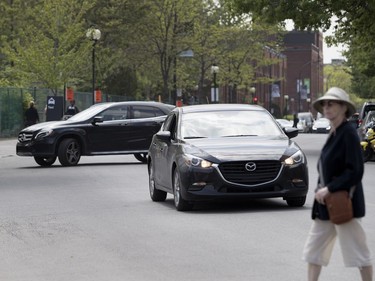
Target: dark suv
(103, 129)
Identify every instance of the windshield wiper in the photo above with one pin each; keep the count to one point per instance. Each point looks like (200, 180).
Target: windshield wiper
(234, 136)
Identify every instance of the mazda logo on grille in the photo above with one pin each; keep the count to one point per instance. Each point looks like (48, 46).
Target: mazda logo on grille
(250, 166)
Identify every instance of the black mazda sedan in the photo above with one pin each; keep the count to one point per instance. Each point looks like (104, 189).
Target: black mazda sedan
(225, 151)
(102, 129)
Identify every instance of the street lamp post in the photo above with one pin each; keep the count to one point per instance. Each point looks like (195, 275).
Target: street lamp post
(286, 97)
(252, 92)
(308, 100)
(94, 35)
(214, 90)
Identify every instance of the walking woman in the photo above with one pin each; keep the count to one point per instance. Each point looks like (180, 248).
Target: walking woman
(342, 167)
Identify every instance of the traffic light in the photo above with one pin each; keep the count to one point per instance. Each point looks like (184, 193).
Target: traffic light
(255, 100)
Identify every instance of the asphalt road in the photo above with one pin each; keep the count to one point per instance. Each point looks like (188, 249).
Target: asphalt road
(96, 222)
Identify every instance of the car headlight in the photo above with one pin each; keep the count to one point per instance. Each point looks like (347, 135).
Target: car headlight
(43, 134)
(191, 160)
(296, 158)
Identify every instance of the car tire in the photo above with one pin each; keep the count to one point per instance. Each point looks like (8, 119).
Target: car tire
(179, 202)
(69, 152)
(368, 153)
(296, 201)
(142, 157)
(155, 194)
(45, 161)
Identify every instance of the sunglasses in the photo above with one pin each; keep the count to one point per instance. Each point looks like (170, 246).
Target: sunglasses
(329, 103)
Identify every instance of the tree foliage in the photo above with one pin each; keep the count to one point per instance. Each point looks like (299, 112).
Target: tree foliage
(140, 51)
(351, 20)
(49, 49)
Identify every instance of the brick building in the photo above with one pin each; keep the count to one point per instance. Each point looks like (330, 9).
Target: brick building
(304, 74)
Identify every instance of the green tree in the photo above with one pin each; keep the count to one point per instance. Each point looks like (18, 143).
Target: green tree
(352, 22)
(50, 49)
(118, 61)
(11, 22)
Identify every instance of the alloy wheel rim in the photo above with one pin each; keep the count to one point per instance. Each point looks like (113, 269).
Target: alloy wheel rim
(73, 152)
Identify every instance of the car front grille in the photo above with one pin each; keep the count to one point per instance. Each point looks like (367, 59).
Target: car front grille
(25, 137)
(250, 172)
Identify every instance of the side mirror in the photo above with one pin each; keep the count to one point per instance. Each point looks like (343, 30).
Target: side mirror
(164, 135)
(97, 119)
(291, 132)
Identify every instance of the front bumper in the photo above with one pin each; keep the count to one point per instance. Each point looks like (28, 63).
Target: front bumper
(321, 130)
(40, 148)
(210, 184)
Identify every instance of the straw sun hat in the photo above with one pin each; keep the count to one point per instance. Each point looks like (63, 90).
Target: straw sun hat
(335, 94)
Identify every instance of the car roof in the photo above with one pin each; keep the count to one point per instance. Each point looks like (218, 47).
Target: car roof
(221, 106)
(158, 104)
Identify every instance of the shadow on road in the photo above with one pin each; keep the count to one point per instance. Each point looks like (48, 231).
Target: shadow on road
(239, 206)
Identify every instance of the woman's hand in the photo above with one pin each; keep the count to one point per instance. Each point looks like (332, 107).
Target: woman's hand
(321, 194)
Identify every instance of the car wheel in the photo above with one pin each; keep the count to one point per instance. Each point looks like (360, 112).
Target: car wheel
(141, 157)
(45, 161)
(155, 194)
(296, 201)
(69, 152)
(368, 153)
(179, 202)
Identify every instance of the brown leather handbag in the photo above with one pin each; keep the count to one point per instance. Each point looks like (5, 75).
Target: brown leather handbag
(339, 206)
(339, 203)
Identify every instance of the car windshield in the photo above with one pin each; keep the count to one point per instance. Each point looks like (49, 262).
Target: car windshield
(228, 124)
(370, 117)
(87, 113)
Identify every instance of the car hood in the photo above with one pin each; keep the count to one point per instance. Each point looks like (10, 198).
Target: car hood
(43, 125)
(241, 148)
(51, 125)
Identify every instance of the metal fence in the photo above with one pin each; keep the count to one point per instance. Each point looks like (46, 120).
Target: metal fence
(14, 100)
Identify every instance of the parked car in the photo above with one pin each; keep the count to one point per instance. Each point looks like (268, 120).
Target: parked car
(366, 107)
(285, 123)
(225, 151)
(306, 121)
(102, 129)
(322, 125)
(367, 122)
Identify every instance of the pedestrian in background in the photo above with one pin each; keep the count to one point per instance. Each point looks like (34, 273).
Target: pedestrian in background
(31, 115)
(72, 108)
(341, 168)
(295, 120)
